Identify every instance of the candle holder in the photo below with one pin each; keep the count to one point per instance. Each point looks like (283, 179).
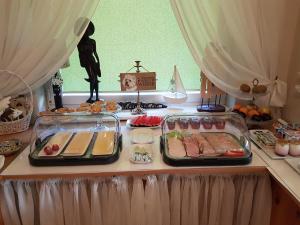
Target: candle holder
(138, 110)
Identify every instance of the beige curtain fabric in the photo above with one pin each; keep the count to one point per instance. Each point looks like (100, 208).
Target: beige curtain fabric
(234, 41)
(37, 37)
(159, 200)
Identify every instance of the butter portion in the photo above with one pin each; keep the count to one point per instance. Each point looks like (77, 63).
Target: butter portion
(104, 143)
(79, 144)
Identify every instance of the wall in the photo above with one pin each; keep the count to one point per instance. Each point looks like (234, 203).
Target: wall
(291, 111)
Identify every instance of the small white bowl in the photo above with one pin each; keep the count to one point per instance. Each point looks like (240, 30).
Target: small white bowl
(142, 136)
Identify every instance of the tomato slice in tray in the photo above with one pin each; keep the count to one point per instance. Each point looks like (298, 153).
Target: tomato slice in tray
(133, 122)
(155, 120)
(147, 121)
(234, 153)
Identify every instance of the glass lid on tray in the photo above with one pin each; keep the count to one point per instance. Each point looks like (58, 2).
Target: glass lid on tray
(205, 139)
(75, 139)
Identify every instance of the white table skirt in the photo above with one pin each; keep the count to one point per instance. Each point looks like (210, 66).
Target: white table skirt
(148, 200)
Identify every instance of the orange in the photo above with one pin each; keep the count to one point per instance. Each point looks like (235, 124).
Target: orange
(237, 106)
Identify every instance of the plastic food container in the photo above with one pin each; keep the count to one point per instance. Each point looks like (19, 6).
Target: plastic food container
(78, 139)
(221, 139)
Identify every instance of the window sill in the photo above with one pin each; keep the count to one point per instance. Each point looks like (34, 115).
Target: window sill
(73, 99)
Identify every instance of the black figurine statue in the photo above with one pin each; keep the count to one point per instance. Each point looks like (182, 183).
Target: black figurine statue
(89, 60)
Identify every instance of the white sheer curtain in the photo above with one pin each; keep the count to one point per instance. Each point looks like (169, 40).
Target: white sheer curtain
(235, 41)
(37, 37)
(159, 200)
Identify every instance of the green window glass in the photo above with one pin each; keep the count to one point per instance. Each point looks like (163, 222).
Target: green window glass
(128, 30)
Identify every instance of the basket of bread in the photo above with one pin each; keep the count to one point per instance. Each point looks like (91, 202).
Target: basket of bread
(16, 103)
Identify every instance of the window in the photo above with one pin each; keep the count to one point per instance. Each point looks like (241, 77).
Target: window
(128, 30)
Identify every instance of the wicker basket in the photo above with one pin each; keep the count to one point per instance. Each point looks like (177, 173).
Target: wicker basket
(21, 124)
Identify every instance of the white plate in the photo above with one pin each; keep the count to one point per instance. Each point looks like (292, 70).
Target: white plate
(131, 127)
(51, 142)
(2, 159)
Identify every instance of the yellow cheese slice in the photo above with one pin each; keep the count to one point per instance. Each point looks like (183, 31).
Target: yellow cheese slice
(79, 144)
(104, 144)
(61, 139)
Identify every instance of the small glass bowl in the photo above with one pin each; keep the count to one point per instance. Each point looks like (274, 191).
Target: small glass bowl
(220, 123)
(207, 123)
(183, 123)
(195, 122)
(171, 123)
(142, 136)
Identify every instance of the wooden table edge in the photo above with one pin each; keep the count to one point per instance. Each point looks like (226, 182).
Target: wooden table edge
(185, 171)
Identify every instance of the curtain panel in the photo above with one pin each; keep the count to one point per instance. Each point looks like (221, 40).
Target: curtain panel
(234, 41)
(159, 200)
(37, 37)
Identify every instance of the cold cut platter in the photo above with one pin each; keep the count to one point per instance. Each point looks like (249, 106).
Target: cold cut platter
(204, 140)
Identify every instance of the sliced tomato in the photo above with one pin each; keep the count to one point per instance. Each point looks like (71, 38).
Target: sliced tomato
(133, 121)
(148, 121)
(234, 153)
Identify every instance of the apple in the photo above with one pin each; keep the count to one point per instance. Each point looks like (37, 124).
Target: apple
(48, 150)
(55, 147)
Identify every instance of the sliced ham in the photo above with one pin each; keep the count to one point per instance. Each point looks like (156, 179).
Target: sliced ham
(206, 148)
(223, 142)
(176, 147)
(191, 146)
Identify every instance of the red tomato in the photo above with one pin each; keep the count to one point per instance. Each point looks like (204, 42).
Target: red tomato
(55, 147)
(148, 121)
(48, 150)
(234, 153)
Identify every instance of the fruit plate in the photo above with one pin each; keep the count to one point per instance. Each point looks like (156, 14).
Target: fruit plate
(294, 163)
(269, 150)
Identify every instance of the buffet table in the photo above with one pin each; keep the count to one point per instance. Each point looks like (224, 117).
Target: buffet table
(126, 193)
(21, 169)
